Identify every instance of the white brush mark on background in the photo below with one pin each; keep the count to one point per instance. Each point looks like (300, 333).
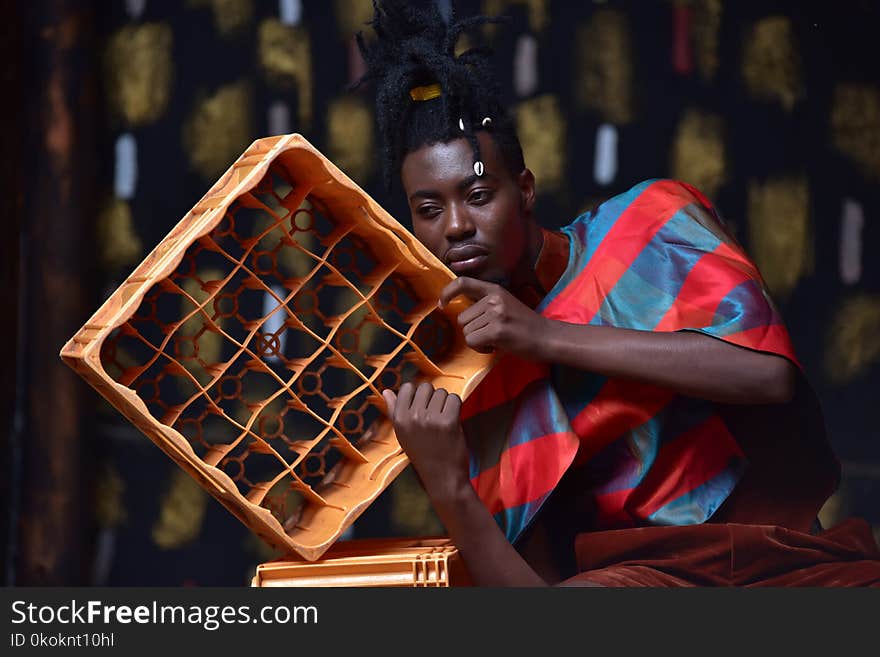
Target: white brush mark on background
(125, 167)
(851, 224)
(605, 163)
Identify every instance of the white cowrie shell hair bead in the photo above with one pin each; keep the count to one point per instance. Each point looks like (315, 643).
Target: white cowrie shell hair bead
(478, 168)
(461, 124)
(487, 122)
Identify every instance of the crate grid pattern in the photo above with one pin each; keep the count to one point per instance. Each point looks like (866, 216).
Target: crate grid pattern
(268, 340)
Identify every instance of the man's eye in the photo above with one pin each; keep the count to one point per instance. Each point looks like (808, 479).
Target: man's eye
(428, 211)
(480, 196)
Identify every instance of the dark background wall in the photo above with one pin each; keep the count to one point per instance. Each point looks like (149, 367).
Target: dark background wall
(129, 111)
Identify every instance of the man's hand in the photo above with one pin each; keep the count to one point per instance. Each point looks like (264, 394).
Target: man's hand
(428, 427)
(497, 320)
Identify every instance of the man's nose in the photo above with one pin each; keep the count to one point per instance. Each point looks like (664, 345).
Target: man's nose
(459, 225)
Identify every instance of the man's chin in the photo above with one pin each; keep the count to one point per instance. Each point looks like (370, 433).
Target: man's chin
(492, 277)
(503, 281)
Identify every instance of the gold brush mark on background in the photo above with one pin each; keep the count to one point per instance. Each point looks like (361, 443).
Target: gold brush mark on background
(193, 288)
(261, 551)
(367, 332)
(853, 346)
(266, 221)
(230, 16)
(411, 510)
(537, 10)
(109, 497)
(219, 129)
(118, 243)
(286, 59)
(209, 345)
(283, 500)
(835, 508)
(771, 65)
(181, 513)
(698, 155)
(464, 43)
(294, 260)
(542, 132)
(705, 26)
(138, 72)
(604, 60)
(350, 137)
(855, 125)
(352, 16)
(780, 236)
(257, 388)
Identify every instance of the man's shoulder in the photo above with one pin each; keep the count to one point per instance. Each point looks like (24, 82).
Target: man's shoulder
(652, 192)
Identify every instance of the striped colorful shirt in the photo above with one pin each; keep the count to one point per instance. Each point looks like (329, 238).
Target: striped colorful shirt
(656, 258)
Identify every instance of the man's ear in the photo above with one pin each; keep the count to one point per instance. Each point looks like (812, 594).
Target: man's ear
(526, 182)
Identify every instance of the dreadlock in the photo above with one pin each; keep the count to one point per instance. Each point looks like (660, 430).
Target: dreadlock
(415, 47)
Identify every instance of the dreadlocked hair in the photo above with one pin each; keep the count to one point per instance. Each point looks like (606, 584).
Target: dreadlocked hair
(415, 47)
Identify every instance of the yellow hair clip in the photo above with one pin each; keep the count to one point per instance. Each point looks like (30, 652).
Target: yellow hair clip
(425, 93)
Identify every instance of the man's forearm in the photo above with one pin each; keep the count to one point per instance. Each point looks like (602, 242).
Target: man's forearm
(688, 362)
(490, 559)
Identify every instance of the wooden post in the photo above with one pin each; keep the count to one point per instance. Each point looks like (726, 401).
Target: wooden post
(55, 518)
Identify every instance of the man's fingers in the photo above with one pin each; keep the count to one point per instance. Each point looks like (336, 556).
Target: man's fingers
(452, 405)
(480, 340)
(470, 287)
(422, 396)
(390, 401)
(469, 314)
(436, 402)
(438, 399)
(475, 325)
(405, 397)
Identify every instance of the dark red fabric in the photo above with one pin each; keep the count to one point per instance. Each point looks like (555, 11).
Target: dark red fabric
(716, 554)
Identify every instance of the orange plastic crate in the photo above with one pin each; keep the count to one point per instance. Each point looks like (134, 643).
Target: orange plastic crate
(253, 343)
(424, 562)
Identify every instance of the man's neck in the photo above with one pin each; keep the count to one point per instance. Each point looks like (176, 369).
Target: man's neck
(540, 267)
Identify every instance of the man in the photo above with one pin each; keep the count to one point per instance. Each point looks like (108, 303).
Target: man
(646, 418)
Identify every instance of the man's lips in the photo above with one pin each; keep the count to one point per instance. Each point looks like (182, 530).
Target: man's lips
(466, 257)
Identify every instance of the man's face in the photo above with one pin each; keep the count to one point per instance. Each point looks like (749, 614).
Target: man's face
(478, 226)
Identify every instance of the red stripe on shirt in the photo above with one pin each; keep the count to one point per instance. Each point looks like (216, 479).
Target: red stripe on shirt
(505, 381)
(739, 260)
(526, 472)
(619, 407)
(631, 233)
(773, 338)
(684, 464)
(708, 282)
(611, 509)
(704, 201)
